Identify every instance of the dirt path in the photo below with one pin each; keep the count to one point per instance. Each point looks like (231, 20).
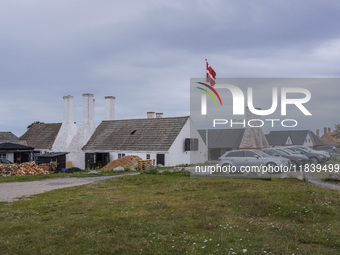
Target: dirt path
(326, 185)
(11, 191)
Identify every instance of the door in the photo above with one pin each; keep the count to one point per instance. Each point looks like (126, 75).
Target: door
(160, 159)
(252, 159)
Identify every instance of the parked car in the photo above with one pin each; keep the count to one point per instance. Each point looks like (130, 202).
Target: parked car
(329, 149)
(316, 158)
(295, 159)
(243, 158)
(325, 153)
(5, 161)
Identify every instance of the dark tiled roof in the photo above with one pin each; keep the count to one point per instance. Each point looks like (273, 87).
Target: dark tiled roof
(14, 146)
(317, 140)
(9, 137)
(298, 137)
(156, 134)
(277, 138)
(223, 138)
(41, 136)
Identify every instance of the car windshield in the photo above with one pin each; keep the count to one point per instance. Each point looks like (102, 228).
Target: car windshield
(293, 150)
(261, 153)
(315, 151)
(305, 149)
(286, 151)
(282, 152)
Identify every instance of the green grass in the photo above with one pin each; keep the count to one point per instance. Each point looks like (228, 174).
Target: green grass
(170, 214)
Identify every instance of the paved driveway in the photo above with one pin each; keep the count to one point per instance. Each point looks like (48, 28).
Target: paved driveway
(11, 191)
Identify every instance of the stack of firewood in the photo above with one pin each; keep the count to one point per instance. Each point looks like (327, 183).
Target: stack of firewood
(28, 168)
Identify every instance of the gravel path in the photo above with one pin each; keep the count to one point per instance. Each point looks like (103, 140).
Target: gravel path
(12, 191)
(326, 185)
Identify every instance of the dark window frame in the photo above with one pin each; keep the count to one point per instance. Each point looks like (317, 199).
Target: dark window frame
(191, 144)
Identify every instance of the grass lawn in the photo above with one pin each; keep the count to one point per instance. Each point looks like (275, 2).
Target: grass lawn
(51, 175)
(170, 214)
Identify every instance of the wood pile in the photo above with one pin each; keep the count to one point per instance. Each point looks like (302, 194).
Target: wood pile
(142, 164)
(126, 162)
(27, 168)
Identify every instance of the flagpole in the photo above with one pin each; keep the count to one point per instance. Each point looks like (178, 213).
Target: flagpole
(206, 116)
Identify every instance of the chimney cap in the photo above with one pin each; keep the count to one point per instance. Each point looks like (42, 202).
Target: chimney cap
(110, 97)
(88, 94)
(159, 114)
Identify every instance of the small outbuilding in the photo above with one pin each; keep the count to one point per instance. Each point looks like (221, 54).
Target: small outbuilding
(14, 149)
(47, 158)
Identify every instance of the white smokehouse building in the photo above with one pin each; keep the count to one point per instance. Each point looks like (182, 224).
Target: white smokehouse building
(170, 141)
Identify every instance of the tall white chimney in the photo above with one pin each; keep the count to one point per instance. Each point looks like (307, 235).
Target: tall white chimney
(151, 115)
(88, 108)
(110, 108)
(68, 108)
(159, 115)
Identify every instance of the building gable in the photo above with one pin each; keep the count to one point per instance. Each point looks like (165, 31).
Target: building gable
(9, 137)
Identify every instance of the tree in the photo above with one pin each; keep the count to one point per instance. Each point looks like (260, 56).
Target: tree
(35, 122)
(337, 131)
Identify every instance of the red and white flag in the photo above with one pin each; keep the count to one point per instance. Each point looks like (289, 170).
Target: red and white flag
(211, 75)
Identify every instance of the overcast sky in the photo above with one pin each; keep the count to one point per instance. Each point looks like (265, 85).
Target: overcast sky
(145, 52)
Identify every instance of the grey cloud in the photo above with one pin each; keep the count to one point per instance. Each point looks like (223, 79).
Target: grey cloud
(145, 52)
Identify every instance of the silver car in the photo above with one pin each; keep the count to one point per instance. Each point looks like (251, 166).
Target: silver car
(241, 159)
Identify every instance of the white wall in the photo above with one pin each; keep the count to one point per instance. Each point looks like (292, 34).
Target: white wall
(308, 141)
(177, 154)
(141, 154)
(65, 135)
(10, 156)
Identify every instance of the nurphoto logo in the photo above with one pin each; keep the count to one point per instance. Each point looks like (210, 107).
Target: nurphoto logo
(239, 96)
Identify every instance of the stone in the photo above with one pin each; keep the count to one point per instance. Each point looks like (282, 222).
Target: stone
(119, 169)
(150, 167)
(160, 165)
(334, 176)
(178, 169)
(93, 172)
(133, 170)
(297, 175)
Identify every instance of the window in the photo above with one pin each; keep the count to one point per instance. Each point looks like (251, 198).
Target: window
(271, 153)
(250, 154)
(235, 154)
(3, 155)
(121, 155)
(191, 144)
(147, 156)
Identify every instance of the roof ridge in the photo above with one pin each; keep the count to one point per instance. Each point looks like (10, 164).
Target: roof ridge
(182, 117)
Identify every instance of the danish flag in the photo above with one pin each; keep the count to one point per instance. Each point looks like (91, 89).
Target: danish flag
(211, 75)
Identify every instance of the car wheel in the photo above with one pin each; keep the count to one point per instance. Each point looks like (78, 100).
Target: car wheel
(227, 165)
(314, 160)
(270, 164)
